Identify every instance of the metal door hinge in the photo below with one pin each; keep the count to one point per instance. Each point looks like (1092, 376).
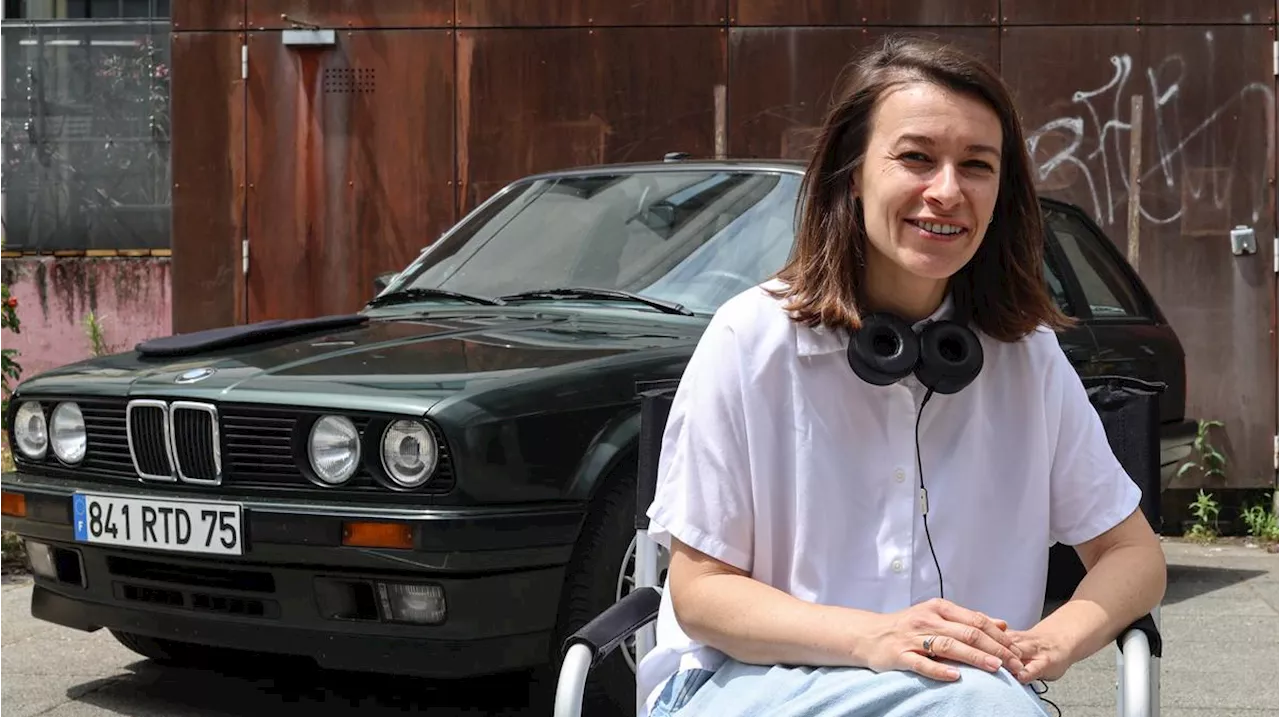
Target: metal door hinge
(244, 62)
(244, 256)
(1275, 255)
(1275, 57)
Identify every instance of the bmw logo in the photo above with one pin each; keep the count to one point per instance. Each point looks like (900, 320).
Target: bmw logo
(193, 375)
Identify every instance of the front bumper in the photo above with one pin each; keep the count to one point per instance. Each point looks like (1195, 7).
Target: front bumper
(297, 590)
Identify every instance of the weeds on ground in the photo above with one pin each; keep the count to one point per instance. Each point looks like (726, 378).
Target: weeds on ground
(1206, 509)
(6, 459)
(12, 556)
(1260, 519)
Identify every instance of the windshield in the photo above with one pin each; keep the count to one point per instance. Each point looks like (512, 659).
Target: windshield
(693, 238)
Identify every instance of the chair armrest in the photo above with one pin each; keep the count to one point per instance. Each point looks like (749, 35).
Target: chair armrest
(620, 621)
(1136, 675)
(1147, 626)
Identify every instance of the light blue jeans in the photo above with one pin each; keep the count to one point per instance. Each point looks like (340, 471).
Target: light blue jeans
(741, 690)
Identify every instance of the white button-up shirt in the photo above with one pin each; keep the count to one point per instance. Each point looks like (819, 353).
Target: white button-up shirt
(779, 460)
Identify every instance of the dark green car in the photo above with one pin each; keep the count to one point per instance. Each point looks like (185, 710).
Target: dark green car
(441, 484)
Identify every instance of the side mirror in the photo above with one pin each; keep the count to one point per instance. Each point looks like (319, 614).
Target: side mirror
(381, 281)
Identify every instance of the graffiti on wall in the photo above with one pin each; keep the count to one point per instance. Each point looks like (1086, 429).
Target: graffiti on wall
(1197, 164)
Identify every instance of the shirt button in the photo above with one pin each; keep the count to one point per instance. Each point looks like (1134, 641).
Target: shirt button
(897, 566)
(899, 475)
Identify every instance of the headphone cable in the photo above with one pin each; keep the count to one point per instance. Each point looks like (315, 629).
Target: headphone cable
(924, 495)
(924, 512)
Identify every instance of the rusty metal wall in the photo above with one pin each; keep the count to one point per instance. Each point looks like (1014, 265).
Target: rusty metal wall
(863, 12)
(204, 15)
(1208, 154)
(343, 14)
(585, 13)
(471, 94)
(350, 164)
(208, 160)
(782, 79)
(533, 100)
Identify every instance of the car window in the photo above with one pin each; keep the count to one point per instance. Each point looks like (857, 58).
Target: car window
(692, 237)
(1057, 289)
(1105, 286)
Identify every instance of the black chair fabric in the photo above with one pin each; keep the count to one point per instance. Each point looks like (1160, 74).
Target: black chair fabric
(1129, 409)
(655, 406)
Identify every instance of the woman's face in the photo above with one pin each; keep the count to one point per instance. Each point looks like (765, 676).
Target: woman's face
(928, 186)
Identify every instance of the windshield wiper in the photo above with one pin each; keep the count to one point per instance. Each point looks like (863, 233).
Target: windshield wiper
(669, 307)
(417, 294)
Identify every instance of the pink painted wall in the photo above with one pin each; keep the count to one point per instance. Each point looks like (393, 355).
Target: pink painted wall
(129, 296)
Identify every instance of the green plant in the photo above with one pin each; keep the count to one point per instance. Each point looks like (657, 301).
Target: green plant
(93, 329)
(6, 456)
(1208, 458)
(1261, 520)
(12, 551)
(1206, 510)
(11, 370)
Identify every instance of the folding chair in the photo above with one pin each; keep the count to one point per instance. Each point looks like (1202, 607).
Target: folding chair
(1129, 409)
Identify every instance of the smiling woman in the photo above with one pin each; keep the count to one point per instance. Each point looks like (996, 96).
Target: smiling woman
(920, 181)
(813, 566)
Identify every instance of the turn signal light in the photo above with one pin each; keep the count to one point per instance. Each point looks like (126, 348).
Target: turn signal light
(15, 504)
(377, 535)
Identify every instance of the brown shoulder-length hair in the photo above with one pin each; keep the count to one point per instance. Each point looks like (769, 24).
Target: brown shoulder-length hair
(1001, 291)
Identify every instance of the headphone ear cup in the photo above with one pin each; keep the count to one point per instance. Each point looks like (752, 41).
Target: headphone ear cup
(884, 350)
(950, 357)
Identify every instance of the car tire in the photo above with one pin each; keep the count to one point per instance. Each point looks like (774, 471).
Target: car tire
(591, 587)
(172, 652)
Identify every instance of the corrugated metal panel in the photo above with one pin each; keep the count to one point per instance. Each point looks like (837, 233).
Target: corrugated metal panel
(597, 13)
(208, 180)
(782, 80)
(533, 100)
(1208, 164)
(350, 164)
(875, 12)
(342, 14)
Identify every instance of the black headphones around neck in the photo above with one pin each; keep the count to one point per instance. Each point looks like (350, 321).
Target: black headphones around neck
(945, 356)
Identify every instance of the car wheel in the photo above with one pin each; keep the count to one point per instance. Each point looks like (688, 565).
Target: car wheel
(173, 652)
(592, 584)
(627, 582)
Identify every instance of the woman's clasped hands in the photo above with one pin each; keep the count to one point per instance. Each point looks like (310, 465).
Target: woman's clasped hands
(925, 636)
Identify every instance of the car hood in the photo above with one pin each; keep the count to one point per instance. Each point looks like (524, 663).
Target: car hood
(399, 363)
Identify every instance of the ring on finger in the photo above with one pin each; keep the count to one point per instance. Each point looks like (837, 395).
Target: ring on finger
(928, 645)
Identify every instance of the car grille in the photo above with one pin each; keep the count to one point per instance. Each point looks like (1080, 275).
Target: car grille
(235, 445)
(149, 439)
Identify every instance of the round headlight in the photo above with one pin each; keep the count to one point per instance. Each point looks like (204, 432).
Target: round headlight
(408, 453)
(334, 449)
(67, 433)
(30, 431)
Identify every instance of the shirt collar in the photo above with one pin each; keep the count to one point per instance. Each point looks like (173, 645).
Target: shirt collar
(823, 340)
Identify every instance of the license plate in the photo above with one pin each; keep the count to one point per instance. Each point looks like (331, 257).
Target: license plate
(184, 526)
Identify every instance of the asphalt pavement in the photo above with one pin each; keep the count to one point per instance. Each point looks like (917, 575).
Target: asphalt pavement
(1220, 627)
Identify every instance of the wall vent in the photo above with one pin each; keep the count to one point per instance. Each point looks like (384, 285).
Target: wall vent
(349, 80)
